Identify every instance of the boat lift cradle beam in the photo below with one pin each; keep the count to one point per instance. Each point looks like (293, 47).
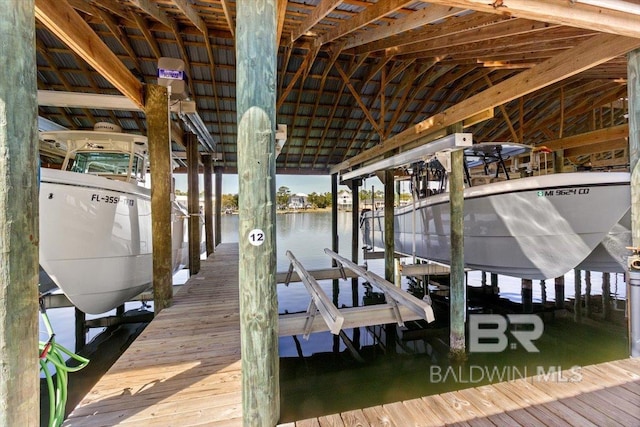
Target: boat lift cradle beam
(320, 302)
(392, 293)
(449, 142)
(400, 306)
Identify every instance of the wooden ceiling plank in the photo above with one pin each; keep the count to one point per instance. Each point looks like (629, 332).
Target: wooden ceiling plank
(146, 33)
(568, 13)
(418, 19)
(508, 28)
(372, 13)
(192, 15)
(450, 26)
(121, 36)
(63, 21)
(154, 11)
(586, 55)
(595, 137)
(317, 14)
(232, 24)
(281, 15)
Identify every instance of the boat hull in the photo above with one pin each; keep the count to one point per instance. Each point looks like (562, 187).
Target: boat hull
(95, 238)
(534, 228)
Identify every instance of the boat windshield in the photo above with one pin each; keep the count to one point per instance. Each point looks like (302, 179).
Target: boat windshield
(101, 163)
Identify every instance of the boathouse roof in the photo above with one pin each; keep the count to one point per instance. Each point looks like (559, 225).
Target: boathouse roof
(356, 74)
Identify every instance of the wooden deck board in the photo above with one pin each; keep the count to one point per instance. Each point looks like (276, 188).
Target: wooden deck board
(184, 369)
(603, 394)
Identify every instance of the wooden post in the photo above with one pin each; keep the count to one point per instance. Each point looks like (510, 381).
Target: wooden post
(527, 296)
(495, 289)
(559, 285)
(208, 203)
(577, 303)
(256, 109)
(334, 216)
(457, 290)
(543, 292)
(633, 285)
(558, 161)
(157, 112)
(355, 247)
(389, 247)
(81, 329)
(606, 296)
(355, 236)
(218, 228)
(19, 383)
(587, 293)
(193, 202)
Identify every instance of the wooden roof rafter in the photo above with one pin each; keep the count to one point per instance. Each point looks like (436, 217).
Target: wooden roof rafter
(594, 51)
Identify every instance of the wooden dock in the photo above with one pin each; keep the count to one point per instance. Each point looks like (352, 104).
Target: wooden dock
(184, 370)
(607, 394)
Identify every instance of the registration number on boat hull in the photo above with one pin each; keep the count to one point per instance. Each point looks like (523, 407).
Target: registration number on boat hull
(563, 192)
(112, 199)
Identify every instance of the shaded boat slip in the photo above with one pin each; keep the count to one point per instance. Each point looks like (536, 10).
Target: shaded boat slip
(184, 369)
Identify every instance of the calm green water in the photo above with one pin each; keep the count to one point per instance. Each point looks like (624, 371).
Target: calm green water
(320, 376)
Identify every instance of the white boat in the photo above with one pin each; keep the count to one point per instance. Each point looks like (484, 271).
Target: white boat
(95, 219)
(538, 227)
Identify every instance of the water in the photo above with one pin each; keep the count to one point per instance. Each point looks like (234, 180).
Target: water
(320, 375)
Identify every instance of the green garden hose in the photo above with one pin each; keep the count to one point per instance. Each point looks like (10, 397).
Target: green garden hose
(52, 354)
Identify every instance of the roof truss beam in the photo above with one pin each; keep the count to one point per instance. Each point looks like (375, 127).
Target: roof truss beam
(571, 13)
(63, 21)
(588, 54)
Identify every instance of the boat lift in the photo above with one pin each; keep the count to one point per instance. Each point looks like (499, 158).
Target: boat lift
(399, 308)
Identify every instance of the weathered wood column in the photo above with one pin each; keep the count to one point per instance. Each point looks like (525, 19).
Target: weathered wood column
(527, 295)
(335, 243)
(559, 285)
(218, 227)
(389, 246)
(355, 235)
(458, 289)
(208, 203)
(19, 383)
(256, 105)
(577, 302)
(157, 112)
(633, 287)
(193, 201)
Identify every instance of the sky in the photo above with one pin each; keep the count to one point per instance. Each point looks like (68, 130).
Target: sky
(296, 183)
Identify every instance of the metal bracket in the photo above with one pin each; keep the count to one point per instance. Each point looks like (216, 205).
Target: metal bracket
(312, 311)
(394, 307)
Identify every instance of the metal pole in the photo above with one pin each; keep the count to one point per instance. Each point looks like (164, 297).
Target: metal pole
(256, 76)
(633, 291)
(19, 396)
